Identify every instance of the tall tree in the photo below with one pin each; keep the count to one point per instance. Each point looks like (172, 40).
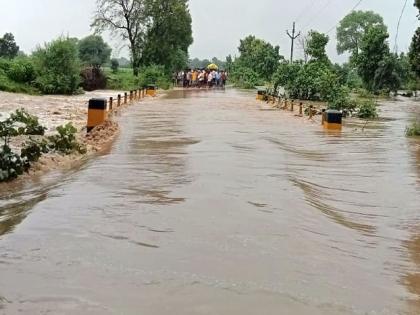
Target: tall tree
(417, 4)
(352, 29)
(374, 49)
(93, 51)
(316, 46)
(128, 20)
(8, 47)
(169, 35)
(259, 56)
(414, 53)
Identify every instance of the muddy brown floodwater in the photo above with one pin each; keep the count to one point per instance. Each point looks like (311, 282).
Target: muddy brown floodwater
(208, 203)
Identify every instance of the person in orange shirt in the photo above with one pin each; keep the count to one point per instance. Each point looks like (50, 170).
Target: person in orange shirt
(194, 78)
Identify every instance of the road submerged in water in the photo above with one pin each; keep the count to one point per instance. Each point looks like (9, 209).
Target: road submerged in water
(208, 203)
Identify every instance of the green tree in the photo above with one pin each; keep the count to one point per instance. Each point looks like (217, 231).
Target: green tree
(353, 27)
(417, 4)
(259, 56)
(387, 74)
(93, 51)
(414, 53)
(8, 47)
(374, 48)
(115, 65)
(58, 67)
(126, 19)
(169, 35)
(316, 46)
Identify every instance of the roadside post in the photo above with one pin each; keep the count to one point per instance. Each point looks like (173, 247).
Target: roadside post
(97, 113)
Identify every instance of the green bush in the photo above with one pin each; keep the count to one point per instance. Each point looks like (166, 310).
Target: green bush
(115, 65)
(339, 99)
(31, 123)
(413, 130)
(58, 67)
(246, 78)
(11, 165)
(65, 141)
(123, 80)
(32, 152)
(154, 75)
(21, 70)
(367, 109)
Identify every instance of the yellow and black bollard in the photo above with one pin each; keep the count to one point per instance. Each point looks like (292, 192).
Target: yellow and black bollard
(135, 95)
(260, 95)
(111, 103)
(151, 90)
(119, 100)
(292, 106)
(125, 97)
(333, 120)
(301, 109)
(97, 112)
(131, 96)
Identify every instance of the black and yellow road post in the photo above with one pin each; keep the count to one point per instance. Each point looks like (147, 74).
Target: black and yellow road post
(151, 90)
(111, 103)
(292, 106)
(333, 120)
(323, 117)
(125, 97)
(97, 112)
(119, 100)
(301, 109)
(311, 112)
(260, 95)
(135, 95)
(131, 96)
(285, 104)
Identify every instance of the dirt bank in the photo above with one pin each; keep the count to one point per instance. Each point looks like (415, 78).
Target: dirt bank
(52, 112)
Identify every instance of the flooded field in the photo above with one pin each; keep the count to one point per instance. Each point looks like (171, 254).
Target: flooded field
(209, 203)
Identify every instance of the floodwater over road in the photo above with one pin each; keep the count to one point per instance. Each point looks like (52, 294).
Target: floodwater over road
(209, 203)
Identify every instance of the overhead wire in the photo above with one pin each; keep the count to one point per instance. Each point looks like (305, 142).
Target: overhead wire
(354, 8)
(398, 26)
(305, 10)
(316, 15)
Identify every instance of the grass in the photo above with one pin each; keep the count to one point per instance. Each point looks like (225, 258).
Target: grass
(122, 80)
(413, 130)
(8, 85)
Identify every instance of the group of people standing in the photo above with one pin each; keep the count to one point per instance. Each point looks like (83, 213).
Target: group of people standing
(200, 78)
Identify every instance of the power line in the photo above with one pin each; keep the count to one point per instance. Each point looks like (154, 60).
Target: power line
(305, 10)
(354, 8)
(317, 14)
(398, 26)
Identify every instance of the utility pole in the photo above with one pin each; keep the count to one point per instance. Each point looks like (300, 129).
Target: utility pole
(293, 37)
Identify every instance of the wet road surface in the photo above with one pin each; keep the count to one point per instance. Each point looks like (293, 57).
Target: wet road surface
(208, 203)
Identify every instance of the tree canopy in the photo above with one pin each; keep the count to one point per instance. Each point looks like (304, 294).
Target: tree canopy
(316, 46)
(127, 19)
(374, 49)
(169, 35)
(93, 51)
(352, 29)
(259, 56)
(414, 54)
(8, 47)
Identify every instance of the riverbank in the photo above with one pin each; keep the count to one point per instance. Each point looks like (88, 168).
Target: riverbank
(54, 111)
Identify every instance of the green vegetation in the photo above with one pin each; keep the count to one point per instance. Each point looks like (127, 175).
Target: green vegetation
(115, 65)
(93, 51)
(413, 130)
(352, 29)
(367, 109)
(57, 66)
(8, 47)
(256, 64)
(65, 141)
(158, 31)
(13, 164)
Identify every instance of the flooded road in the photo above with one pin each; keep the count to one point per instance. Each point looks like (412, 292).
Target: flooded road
(210, 204)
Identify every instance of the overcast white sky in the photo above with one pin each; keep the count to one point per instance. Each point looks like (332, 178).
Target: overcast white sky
(217, 24)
